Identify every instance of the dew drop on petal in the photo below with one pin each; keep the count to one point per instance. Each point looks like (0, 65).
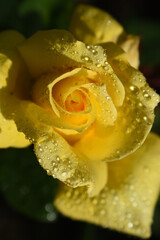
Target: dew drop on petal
(130, 225)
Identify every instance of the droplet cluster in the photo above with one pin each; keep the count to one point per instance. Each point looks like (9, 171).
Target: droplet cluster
(122, 204)
(56, 157)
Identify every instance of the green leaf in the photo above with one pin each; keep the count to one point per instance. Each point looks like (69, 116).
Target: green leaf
(25, 185)
(46, 8)
(43, 7)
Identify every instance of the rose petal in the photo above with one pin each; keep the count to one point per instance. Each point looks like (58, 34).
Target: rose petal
(52, 149)
(93, 26)
(12, 65)
(134, 119)
(114, 86)
(11, 70)
(106, 112)
(68, 82)
(61, 161)
(44, 96)
(47, 50)
(130, 44)
(9, 136)
(127, 202)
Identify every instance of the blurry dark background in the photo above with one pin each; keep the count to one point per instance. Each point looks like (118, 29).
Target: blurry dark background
(26, 192)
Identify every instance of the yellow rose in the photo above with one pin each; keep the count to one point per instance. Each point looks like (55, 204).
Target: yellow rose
(82, 102)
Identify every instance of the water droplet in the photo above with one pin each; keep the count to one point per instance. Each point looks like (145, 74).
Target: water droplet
(49, 172)
(130, 225)
(98, 65)
(105, 68)
(147, 120)
(109, 22)
(138, 120)
(85, 58)
(147, 96)
(128, 130)
(40, 149)
(64, 174)
(140, 104)
(55, 169)
(94, 51)
(108, 98)
(134, 89)
(40, 160)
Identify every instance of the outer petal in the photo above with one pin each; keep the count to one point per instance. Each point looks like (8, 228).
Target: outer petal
(47, 50)
(53, 152)
(127, 202)
(130, 44)
(93, 26)
(62, 162)
(11, 69)
(9, 136)
(134, 119)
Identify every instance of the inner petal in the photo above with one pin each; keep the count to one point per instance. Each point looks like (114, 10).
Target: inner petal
(76, 101)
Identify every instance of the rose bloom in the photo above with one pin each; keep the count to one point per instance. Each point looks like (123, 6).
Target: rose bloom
(80, 98)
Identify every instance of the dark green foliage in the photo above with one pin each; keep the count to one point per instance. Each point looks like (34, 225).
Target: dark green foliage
(25, 185)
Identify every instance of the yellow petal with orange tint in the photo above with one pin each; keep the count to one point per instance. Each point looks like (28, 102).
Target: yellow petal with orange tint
(51, 90)
(93, 26)
(134, 118)
(52, 150)
(127, 202)
(59, 89)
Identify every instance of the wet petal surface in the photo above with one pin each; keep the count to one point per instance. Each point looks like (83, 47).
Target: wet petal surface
(93, 26)
(127, 202)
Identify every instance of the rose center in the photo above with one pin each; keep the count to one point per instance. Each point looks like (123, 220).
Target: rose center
(76, 101)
